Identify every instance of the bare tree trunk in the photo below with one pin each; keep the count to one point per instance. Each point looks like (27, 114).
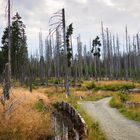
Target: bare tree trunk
(65, 50)
(104, 50)
(126, 57)
(111, 57)
(108, 55)
(118, 58)
(130, 58)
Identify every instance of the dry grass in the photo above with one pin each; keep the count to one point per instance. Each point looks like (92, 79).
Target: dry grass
(115, 83)
(130, 112)
(75, 94)
(24, 122)
(88, 95)
(135, 97)
(28, 123)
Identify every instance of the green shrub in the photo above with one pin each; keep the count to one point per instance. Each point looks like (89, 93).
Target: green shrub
(110, 87)
(90, 85)
(113, 87)
(130, 114)
(95, 126)
(39, 106)
(80, 81)
(35, 84)
(123, 97)
(115, 102)
(126, 86)
(56, 81)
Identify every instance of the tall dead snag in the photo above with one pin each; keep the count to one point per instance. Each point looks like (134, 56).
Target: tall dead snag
(104, 50)
(133, 55)
(129, 57)
(9, 43)
(118, 59)
(138, 54)
(7, 71)
(65, 52)
(48, 55)
(115, 62)
(108, 53)
(111, 57)
(42, 64)
(58, 28)
(79, 50)
(85, 63)
(57, 54)
(126, 56)
(90, 60)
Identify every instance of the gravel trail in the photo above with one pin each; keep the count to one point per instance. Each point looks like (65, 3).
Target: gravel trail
(115, 126)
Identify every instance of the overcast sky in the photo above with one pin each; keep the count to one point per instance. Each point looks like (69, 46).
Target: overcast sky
(86, 16)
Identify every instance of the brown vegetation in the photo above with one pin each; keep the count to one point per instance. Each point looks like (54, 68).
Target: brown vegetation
(24, 121)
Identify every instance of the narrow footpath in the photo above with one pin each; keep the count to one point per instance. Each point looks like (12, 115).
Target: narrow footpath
(114, 125)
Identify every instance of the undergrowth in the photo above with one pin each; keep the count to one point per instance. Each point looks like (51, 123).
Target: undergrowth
(118, 101)
(25, 120)
(39, 106)
(108, 86)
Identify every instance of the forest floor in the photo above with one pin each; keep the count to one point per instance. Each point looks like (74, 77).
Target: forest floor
(30, 119)
(30, 116)
(115, 126)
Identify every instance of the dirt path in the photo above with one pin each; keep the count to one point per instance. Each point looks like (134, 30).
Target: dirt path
(115, 126)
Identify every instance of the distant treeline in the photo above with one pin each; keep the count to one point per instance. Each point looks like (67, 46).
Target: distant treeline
(117, 61)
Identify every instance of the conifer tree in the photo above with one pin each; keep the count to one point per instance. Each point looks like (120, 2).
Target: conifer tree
(19, 54)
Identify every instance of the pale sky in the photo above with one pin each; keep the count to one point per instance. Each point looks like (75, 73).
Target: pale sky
(86, 16)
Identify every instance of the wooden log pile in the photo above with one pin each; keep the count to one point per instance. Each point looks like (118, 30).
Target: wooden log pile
(74, 116)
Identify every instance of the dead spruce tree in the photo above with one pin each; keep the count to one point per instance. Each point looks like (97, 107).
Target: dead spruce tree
(79, 51)
(7, 71)
(42, 63)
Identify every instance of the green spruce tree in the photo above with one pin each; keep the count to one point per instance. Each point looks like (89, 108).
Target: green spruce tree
(19, 54)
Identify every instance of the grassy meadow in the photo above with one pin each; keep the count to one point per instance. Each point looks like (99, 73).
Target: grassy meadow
(30, 114)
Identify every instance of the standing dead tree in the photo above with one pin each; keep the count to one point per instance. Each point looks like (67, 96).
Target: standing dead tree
(126, 57)
(42, 64)
(7, 71)
(58, 28)
(9, 45)
(85, 68)
(104, 50)
(6, 85)
(79, 50)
